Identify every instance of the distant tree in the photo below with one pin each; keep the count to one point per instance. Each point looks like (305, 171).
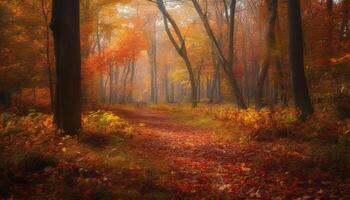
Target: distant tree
(296, 59)
(152, 55)
(270, 48)
(180, 46)
(226, 58)
(45, 12)
(65, 25)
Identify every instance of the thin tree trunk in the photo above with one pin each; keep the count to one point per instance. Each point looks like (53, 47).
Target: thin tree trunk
(229, 60)
(152, 54)
(199, 83)
(48, 56)
(111, 82)
(180, 48)
(132, 77)
(166, 84)
(245, 65)
(126, 81)
(172, 89)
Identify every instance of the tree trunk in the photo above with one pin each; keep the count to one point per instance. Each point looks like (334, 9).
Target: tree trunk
(166, 84)
(229, 59)
(199, 83)
(48, 55)
(125, 82)
(111, 82)
(172, 94)
(116, 86)
(152, 55)
(245, 70)
(270, 48)
(66, 31)
(296, 59)
(132, 77)
(180, 47)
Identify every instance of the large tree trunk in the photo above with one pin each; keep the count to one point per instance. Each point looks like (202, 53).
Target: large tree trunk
(66, 31)
(296, 59)
(270, 48)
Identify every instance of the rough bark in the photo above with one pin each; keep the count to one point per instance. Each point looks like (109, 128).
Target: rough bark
(65, 25)
(270, 48)
(296, 59)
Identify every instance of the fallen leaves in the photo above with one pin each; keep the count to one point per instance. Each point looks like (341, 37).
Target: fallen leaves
(180, 160)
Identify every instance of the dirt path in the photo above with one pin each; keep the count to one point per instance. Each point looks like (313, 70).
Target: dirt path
(199, 164)
(202, 167)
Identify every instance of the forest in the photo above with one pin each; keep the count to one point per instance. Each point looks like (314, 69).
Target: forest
(174, 99)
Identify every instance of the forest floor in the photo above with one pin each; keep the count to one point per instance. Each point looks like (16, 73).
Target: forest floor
(167, 156)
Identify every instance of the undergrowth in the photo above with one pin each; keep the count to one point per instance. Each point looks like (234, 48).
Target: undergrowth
(327, 135)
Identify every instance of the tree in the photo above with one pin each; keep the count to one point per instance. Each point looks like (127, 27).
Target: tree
(152, 55)
(65, 25)
(230, 11)
(296, 59)
(270, 50)
(45, 13)
(180, 47)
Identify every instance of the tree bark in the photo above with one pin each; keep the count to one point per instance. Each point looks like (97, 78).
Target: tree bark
(152, 55)
(296, 59)
(65, 25)
(270, 48)
(132, 77)
(180, 48)
(125, 81)
(166, 84)
(48, 55)
(111, 82)
(229, 59)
